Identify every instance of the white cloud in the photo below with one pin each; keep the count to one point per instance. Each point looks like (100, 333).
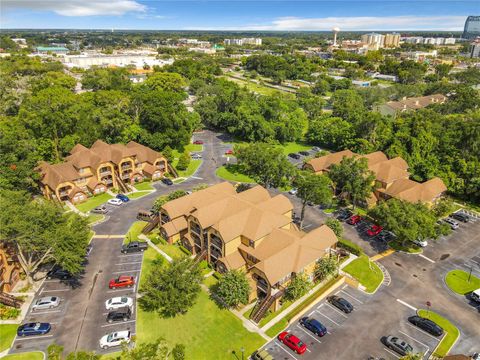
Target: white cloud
(365, 23)
(77, 7)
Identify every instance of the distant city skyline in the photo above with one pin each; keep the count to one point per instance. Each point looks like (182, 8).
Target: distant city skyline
(313, 15)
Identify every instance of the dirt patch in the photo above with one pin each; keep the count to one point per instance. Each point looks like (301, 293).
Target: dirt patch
(444, 256)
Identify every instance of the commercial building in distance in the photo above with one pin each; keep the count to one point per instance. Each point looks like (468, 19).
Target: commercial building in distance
(88, 172)
(393, 108)
(243, 41)
(391, 178)
(472, 27)
(248, 231)
(392, 40)
(59, 50)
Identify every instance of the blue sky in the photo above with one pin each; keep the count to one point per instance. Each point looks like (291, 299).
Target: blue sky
(238, 15)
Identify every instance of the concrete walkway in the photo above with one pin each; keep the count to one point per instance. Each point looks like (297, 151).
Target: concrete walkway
(149, 242)
(74, 209)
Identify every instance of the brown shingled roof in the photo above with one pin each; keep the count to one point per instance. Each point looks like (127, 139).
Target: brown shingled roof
(415, 103)
(233, 261)
(413, 191)
(322, 163)
(175, 226)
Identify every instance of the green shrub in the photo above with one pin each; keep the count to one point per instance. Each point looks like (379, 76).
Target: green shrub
(8, 313)
(350, 246)
(184, 250)
(217, 275)
(203, 264)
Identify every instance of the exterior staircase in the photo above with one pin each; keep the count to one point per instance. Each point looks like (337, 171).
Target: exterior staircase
(201, 256)
(172, 170)
(151, 225)
(122, 186)
(262, 306)
(9, 300)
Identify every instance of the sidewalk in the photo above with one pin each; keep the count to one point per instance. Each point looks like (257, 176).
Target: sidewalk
(149, 242)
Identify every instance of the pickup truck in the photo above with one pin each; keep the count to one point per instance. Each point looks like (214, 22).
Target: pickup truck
(134, 246)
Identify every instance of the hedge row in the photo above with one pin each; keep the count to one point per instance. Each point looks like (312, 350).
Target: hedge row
(350, 246)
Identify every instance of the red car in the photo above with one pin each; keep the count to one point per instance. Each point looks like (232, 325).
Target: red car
(355, 219)
(121, 281)
(198, 142)
(292, 342)
(374, 230)
(229, 152)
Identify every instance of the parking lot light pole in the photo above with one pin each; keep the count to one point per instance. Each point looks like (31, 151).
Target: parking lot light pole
(470, 274)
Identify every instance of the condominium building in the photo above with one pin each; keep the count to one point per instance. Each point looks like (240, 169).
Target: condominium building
(243, 41)
(392, 40)
(91, 171)
(249, 231)
(391, 178)
(377, 40)
(393, 108)
(474, 49)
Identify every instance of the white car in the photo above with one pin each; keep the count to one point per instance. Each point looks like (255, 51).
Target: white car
(116, 202)
(420, 242)
(118, 302)
(196, 156)
(48, 302)
(293, 191)
(453, 224)
(114, 339)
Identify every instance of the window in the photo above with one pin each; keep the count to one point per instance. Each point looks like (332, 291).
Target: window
(251, 243)
(252, 258)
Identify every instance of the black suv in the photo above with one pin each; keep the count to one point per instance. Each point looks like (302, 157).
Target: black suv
(294, 156)
(167, 181)
(460, 217)
(122, 314)
(426, 325)
(58, 273)
(304, 153)
(344, 215)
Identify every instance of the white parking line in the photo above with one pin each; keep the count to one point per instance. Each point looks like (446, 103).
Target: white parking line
(391, 353)
(124, 271)
(426, 258)
(306, 332)
(119, 323)
(117, 290)
(129, 263)
(311, 313)
(33, 337)
(407, 305)
(338, 311)
(353, 297)
(33, 312)
(319, 306)
(333, 321)
(424, 332)
(281, 347)
(416, 341)
(45, 291)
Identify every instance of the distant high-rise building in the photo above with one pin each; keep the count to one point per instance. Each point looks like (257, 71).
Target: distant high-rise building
(472, 27)
(392, 40)
(378, 40)
(244, 41)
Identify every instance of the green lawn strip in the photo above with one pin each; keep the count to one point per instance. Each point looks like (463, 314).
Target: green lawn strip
(457, 281)
(231, 174)
(138, 194)
(207, 331)
(188, 148)
(247, 314)
(451, 332)
(93, 202)
(294, 147)
(408, 248)
(275, 329)
(148, 257)
(171, 250)
(112, 356)
(7, 332)
(143, 186)
(272, 314)
(134, 231)
(34, 355)
(192, 167)
(366, 272)
(94, 218)
(210, 281)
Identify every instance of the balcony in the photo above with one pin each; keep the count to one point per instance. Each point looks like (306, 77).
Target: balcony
(126, 166)
(216, 243)
(262, 284)
(125, 175)
(165, 218)
(105, 172)
(214, 253)
(195, 228)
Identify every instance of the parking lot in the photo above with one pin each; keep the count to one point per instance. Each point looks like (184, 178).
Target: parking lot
(80, 320)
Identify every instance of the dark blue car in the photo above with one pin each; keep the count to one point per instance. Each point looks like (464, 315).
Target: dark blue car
(122, 197)
(33, 329)
(314, 326)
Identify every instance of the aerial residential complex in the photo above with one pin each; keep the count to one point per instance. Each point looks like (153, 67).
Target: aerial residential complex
(393, 108)
(249, 231)
(88, 172)
(391, 177)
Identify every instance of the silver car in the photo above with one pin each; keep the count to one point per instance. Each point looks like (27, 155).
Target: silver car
(453, 224)
(48, 302)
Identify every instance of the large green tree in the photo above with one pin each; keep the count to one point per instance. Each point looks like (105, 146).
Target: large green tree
(166, 81)
(173, 289)
(160, 349)
(297, 287)
(232, 288)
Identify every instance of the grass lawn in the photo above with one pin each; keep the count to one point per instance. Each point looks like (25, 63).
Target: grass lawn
(192, 167)
(134, 231)
(93, 202)
(210, 281)
(37, 355)
(457, 281)
(188, 148)
(257, 88)
(148, 257)
(143, 186)
(369, 275)
(94, 218)
(112, 356)
(232, 174)
(138, 194)
(7, 332)
(275, 329)
(408, 248)
(294, 147)
(171, 250)
(207, 331)
(452, 333)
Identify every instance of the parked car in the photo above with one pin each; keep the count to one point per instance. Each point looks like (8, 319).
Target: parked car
(475, 295)
(355, 219)
(261, 355)
(292, 342)
(420, 242)
(385, 236)
(115, 201)
(304, 153)
(293, 191)
(198, 142)
(344, 215)
(316, 148)
(123, 197)
(47, 302)
(294, 156)
(167, 181)
(196, 156)
(426, 325)
(121, 314)
(145, 215)
(398, 345)
(460, 217)
(118, 302)
(59, 273)
(476, 356)
(314, 326)
(121, 282)
(340, 303)
(114, 339)
(134, 246)
(229, 152)
(374, 230)
(453, 224)
(30, 329)
(102, 209)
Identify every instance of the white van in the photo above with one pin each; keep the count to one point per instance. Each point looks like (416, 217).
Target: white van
(476, 295)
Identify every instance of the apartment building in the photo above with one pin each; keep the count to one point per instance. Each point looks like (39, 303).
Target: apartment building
(391, 178)
(393, 108)
(243, 41)
(86, 172)
(9, 268)
(392, 40)
(248, 231)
